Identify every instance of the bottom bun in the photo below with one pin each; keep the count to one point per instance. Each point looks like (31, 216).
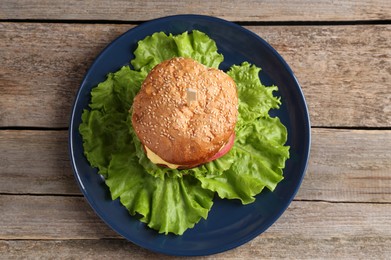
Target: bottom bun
(159, 161)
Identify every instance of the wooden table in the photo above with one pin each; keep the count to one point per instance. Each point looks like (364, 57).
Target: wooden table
(339, 50)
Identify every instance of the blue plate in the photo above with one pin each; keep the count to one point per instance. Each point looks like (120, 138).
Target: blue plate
(229, 223)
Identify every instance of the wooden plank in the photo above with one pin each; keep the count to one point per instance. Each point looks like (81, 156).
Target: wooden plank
(38, 87)
(348, 165)
(262, 247)
(345, 165)
(253, 10)
(35, 162)
(50, 217)
(344, 70)
(348, 229)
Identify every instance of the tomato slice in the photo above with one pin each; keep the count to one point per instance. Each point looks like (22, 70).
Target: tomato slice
(226, 148)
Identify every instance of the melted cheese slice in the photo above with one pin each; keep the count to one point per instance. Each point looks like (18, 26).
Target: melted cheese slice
(157, 160)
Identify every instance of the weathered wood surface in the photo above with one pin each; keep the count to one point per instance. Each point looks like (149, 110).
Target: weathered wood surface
(42, 67)
(346, 69)
(348, 165)
(262, 247)
(360, 248)
(340, 52)
(36, 162)
(345, 165)
(270, 10)
(353, 229)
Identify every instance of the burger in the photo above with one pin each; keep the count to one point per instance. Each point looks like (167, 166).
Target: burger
(185, 113)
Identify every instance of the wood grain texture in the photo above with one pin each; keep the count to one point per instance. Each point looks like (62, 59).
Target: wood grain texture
(340, 52)
(348, 165)
(50, 217)
(42, 68)
(36, 162)
(345, 165)
(267, 10)
(341, 227)
(262, 247)
(345, 71)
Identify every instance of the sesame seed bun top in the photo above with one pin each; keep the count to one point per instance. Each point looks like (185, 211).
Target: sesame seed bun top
(182, 131)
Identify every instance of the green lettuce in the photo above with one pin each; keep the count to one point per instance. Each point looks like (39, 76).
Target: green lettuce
(171, 200)
(159, 47)
(255, 100)
(172, 204)
(104, 127)
(259, 152)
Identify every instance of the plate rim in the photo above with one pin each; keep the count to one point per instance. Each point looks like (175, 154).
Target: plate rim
(303, 166)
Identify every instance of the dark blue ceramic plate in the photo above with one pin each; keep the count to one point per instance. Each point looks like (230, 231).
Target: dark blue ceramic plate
(229, 223)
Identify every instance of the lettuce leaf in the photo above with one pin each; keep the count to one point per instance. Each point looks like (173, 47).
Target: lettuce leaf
(159, 47)
(104, 128)
(174, 200)
(172, 204)
(259, 160)
(255, 100)
(259, 152)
